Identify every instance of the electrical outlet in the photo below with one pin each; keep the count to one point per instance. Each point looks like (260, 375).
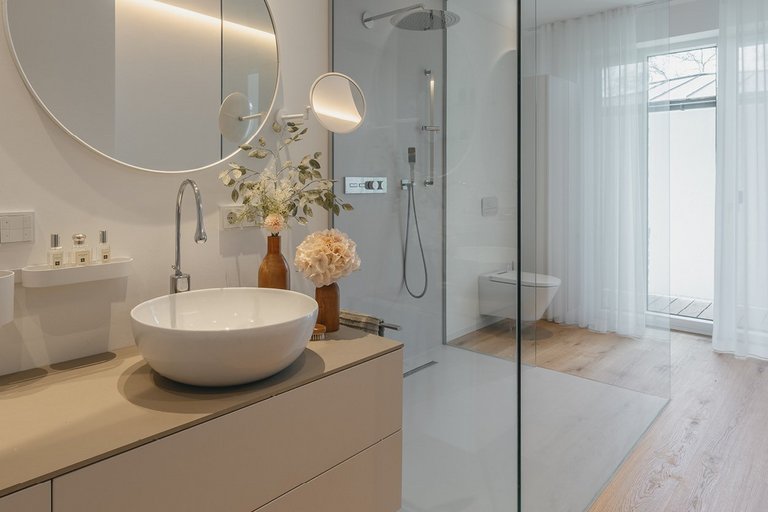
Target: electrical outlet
(228, 215)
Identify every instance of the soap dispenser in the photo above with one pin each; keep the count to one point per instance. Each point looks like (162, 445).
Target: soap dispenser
(55, 252)
(104, 253)
(81, 253)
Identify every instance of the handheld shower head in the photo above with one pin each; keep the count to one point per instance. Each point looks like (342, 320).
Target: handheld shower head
(407, 183)
(412, 163)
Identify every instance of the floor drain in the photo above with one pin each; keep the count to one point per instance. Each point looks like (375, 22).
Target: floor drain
(419, 368)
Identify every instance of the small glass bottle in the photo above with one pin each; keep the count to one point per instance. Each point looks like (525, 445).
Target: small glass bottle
(81, 252)
(55, 252)
(103, 252)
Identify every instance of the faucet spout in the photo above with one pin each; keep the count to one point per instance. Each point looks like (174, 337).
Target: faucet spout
(180, 280)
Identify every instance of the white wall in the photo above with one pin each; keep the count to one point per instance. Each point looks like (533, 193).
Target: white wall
(72, 189)
(668, 24)
(682, 204)
(547, 113)
(482, 153)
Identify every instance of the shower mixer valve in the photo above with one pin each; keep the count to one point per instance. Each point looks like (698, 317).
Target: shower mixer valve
(365, 185)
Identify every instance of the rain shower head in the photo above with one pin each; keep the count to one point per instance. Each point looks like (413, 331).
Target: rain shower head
(415, 17)
(427, 19)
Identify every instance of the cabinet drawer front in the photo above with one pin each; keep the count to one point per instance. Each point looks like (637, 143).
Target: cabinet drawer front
(33, 499)
(242, 460)
(368, 482)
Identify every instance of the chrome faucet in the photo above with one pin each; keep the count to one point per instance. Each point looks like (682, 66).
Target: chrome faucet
(180, 280)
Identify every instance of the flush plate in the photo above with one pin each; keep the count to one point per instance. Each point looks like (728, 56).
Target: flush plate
(365, 185)
(489, 206)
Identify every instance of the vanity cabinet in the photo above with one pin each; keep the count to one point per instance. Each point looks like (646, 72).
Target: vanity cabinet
(32, 499)
(368, 482)
(332, 444)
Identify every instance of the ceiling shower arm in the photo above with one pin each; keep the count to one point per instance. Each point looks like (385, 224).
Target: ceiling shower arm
(368, 19)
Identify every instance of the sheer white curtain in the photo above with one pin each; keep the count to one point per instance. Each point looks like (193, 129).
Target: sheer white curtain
(741, 231)
(596, 166)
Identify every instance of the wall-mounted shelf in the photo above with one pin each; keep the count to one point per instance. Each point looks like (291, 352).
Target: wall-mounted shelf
(43, 276)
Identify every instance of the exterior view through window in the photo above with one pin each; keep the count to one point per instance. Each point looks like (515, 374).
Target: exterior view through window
(682, 104)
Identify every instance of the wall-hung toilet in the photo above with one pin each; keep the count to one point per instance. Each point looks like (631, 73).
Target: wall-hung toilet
(498, 294)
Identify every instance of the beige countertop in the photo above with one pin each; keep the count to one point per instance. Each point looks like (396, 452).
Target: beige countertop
(57, 419)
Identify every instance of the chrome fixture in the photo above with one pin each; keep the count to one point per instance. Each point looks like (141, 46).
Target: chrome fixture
(428, 19)
(365, 184)
(407, 183)
(430, 127)
(408, 186)
(415, 17)
(180, 280)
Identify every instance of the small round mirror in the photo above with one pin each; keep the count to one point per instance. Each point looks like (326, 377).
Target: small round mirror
(338, 102)
(236, 118)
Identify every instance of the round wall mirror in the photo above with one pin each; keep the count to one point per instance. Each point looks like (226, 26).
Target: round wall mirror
(142, 81)
(338, 102)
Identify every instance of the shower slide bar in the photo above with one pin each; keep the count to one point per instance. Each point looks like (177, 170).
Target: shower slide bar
(430, 127)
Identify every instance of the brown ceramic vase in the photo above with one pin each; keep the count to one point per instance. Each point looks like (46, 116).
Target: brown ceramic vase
(327, 298)
(273, 271)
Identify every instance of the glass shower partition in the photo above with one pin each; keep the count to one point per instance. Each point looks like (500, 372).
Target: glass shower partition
(390, 65)
(441, 130)
(473, 245)
(595, 367)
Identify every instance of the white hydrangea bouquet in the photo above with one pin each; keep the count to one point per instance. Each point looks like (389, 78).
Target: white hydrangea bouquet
(326, 256)
(281, 190)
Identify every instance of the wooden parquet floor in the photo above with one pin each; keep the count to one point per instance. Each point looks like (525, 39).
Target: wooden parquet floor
(707, 450)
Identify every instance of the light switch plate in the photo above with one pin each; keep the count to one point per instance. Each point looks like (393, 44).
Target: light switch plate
(17, 227)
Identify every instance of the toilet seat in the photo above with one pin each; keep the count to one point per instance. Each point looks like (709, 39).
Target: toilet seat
(527, 279)
(498, 293)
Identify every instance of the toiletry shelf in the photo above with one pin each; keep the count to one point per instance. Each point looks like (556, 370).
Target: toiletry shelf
(43, 276)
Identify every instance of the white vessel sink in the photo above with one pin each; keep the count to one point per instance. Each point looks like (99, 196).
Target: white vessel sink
(223, 336)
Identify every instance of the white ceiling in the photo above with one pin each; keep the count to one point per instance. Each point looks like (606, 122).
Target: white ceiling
(548, 11)
(503, 12)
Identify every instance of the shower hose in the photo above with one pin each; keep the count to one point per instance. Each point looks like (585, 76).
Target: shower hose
(412, 205)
